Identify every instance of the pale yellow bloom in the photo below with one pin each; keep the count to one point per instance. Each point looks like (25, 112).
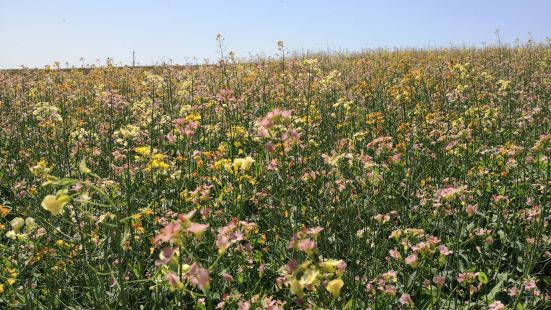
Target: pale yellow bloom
(247, 163)
(310, 277)
(17, 223)
(331, 265)
(54, 204)
(30, 222)
(11, 235)
(296, 288)
(334, 287)
(244, 164)
(83, 168)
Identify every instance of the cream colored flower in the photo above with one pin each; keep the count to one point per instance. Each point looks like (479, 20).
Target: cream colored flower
(11, 235)
(17, 223)
(54, 204)
(30, 222)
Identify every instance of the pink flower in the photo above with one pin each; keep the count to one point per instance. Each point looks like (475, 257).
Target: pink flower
(228, 277)
(433, 240)
(172, 279)
(390, 289)
(267, 123)
(272, 165)
(171, 138)
(439, 281)
(412, 260)
(168, 232)
(204, 212)
(269, 147)
(450, 192)
(166, 256)
(198, 276)
(513, 292)
(314, 231)
(471, 210)
(496, 305)
(405, 299)
(529, 285)
(261, 269)
(290, 135)
(244, 305)
(307, 245)
(77, 187)
(426, 283)
(341, 267)
(186, 217)
(292, 265)
(197, 229)
(222, 243)
(231, 234)
(444, 250)
(391, 275)
(270, 304)
(394, 253)
(422, 247)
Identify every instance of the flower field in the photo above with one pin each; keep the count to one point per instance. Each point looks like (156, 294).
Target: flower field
(406, 179)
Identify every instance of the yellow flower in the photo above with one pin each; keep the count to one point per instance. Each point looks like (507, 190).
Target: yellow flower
(83, 168)
(296, 288)
(331, 265)
(12, 272)
(310, 277)
(54, 204)
(143, 150)
(334, 287)
(4, 211)
(30, 222)
(11, 235)
(17, 223)
(247, 163)
(157, 163)
(244, 164)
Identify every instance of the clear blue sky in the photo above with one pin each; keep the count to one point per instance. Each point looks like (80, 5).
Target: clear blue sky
(39, 32)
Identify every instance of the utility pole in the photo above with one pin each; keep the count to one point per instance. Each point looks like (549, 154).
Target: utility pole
(133, 58)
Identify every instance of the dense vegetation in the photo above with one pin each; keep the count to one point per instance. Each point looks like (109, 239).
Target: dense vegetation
(383, 180)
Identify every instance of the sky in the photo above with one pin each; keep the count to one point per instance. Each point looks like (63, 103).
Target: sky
(35, 33)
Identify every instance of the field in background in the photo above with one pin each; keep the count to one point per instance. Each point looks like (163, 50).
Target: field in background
(384, 180)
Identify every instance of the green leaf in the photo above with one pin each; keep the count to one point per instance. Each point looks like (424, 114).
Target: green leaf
(482, 277)
(496, 289)
(501, 235)
(411, 278)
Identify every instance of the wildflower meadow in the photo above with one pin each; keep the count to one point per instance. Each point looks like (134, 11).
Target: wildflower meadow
(386, 179)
